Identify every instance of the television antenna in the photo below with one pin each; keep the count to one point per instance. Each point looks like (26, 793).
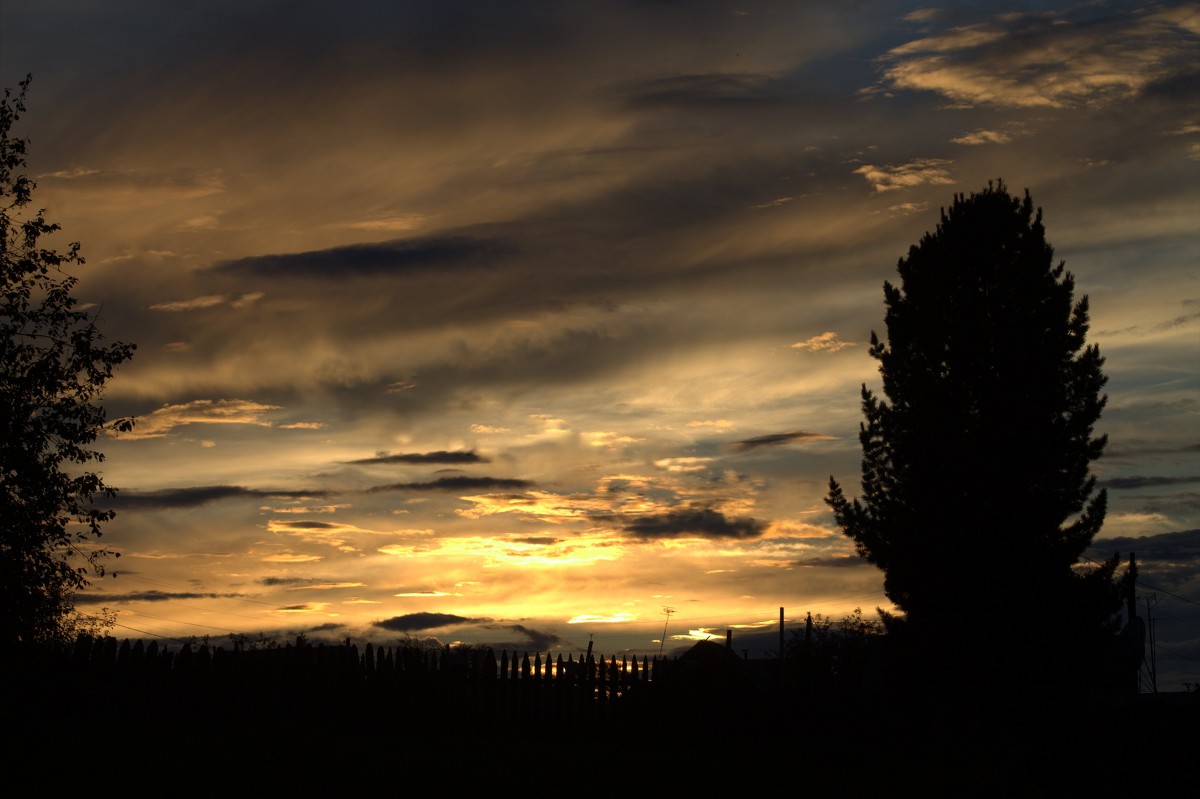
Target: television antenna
(663, 640)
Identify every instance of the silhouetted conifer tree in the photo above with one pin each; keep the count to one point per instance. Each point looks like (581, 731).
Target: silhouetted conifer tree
(977, 499)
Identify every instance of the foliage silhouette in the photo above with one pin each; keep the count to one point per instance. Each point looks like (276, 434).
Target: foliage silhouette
(53, 368)
(977, 497)
(835, 658)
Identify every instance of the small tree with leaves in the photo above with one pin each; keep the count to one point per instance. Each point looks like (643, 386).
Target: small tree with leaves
(977, 497)
(54, 364)
(835, 658)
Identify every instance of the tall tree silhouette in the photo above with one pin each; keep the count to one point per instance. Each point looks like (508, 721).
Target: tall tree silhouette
(977, 498)
(53, 368)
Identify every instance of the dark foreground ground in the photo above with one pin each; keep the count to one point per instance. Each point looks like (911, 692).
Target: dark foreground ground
(1143, 745)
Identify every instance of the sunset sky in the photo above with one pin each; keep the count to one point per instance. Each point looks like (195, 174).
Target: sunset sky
(517, 323)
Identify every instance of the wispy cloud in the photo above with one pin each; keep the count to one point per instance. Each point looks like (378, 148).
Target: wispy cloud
(1049, 59)
(717, 424)
(919, 172)
(825, 342)
(210, 301)
(391, 223)
(778, 439)
(138, 187)
(983, 137)
(98, 598)
(162, 421)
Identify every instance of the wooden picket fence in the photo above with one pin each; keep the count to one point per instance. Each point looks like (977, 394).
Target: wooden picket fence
(341, 684)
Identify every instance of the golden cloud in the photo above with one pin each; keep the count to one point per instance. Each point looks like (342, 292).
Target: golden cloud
(918, 172)
(1047, 60)
(826, 342)
(162, 421)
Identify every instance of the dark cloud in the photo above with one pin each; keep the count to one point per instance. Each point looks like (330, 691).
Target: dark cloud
(309, 525)
(459, 483)
(277, 581)
(775, 439)
(536, 640)
(412, 622)
(1138, 481)
(147, 596)
(537, 541)
(695, 522)
(198, 495)
(835, 563)
(1182, 502)
(1179, 86)
(328, 627)
(1155, 551)
(404, 256)
(462, 456)
(1132, 450)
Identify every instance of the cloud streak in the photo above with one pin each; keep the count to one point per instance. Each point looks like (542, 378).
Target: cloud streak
(440, 456)
(778, 439)
(456, 483)
(825, 342)
(196, 496)
(694, 522)
(392, 258)
(1140, 481)
(163, 421)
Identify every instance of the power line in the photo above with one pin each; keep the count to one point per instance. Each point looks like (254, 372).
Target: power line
(1144, 584)
(145, 632)
(234, 597)
(177, 621)
(1168, 593)
(1176, 618)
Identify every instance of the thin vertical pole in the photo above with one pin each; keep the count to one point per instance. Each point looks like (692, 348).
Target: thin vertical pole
(667, 611)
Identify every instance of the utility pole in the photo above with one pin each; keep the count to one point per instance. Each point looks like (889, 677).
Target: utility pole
(781, 635)
(1151, 601)
(1131, 597)
(1133, 625)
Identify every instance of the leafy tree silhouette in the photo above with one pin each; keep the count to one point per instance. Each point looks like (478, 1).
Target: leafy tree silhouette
(53, 368)
(977, 500)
